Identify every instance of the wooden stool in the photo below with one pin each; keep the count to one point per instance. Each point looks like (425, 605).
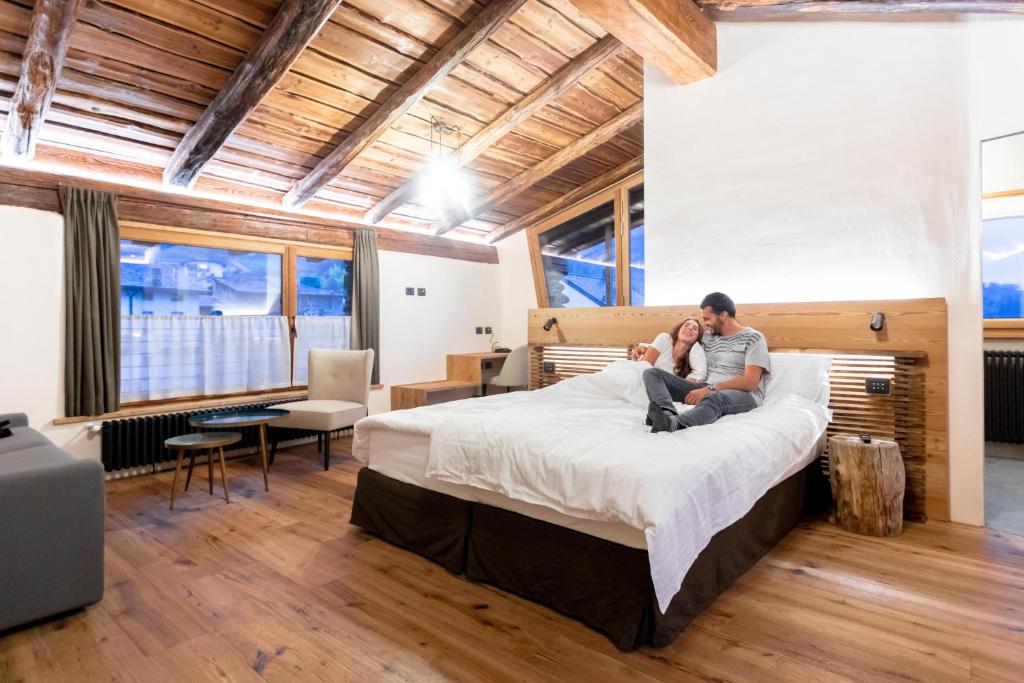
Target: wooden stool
(198, 442)
(868, 480)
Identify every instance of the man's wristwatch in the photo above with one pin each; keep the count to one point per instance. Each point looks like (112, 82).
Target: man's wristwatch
(711, 387)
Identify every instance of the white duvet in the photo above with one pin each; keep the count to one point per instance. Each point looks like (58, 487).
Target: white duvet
(580, 447)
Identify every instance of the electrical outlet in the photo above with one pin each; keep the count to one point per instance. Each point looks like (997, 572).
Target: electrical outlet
(487, 330)
(409, 291)
(422, 291)
(877, 385)
(488, 365)
(479, 330)
(549, 366)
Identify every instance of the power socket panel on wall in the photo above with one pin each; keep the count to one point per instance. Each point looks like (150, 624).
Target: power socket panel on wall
(877, 385)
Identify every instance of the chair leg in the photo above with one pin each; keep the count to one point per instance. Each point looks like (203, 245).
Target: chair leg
(273, 448)
(327, 451)
(319, 442)
(209, 468)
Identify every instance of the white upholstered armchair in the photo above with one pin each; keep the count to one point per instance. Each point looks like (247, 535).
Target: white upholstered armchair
(339, 394)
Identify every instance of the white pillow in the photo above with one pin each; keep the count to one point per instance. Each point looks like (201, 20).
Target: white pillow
(802, 374)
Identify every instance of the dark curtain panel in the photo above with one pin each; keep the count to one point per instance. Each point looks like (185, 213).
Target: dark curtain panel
(366, 297)
(92, 315)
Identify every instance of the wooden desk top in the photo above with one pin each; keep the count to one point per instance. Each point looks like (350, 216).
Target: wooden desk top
(438, 385)
(482, 355)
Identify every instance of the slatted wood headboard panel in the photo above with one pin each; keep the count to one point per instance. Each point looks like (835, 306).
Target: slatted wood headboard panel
(911, 350)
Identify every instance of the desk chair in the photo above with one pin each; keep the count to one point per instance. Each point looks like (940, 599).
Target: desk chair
(515, 371)
(339, 393)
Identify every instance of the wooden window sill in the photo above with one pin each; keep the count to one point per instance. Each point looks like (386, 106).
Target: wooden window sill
(1006, 328)
(179, 406)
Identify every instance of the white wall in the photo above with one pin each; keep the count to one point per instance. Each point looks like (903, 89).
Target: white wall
(828, 161)
(1002, 165)
(416, 332)
(518, 294)
(32, 341)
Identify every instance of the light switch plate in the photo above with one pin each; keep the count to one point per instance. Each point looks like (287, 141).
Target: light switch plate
(877, 385)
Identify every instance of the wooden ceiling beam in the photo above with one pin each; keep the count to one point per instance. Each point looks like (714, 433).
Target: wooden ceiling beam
(745, 10)
(591, 187)
(674, 35)
(45, 49)
(530, 176)
(488, 20)
(289, 32)
(540, 97)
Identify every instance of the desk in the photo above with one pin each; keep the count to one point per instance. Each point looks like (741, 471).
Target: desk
(475, 367)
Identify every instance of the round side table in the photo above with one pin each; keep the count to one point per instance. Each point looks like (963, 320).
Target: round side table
(243, 418)
(198, 442)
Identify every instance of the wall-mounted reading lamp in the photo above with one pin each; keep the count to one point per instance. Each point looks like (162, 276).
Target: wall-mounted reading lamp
(878, 322)
(551, 322)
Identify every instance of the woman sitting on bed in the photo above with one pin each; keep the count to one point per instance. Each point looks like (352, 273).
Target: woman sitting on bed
(677, 352)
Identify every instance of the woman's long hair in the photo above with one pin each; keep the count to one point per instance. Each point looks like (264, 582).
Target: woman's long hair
(683, 368)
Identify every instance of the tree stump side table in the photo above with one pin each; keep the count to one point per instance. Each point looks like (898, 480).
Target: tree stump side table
(868, 481)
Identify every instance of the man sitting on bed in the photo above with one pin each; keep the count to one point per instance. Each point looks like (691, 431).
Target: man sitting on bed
(737, 360)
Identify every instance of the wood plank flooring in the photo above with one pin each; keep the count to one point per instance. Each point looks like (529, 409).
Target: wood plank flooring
(278, 586)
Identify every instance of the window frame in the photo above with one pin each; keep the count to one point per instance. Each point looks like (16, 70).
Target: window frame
(289, 251)
(1001, 328)
(618, 194)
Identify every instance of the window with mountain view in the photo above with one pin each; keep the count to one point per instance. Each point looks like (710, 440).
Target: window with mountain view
(1002, 267)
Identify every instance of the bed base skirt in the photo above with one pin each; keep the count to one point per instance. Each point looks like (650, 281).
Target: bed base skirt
(603, 584)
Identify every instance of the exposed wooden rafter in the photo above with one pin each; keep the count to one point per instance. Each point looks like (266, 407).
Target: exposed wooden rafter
(617, 174)
(674, 35)
(541, 96)
(527, 178)
(744, 10)
(47, 44)
(294, 25)
(488, 20)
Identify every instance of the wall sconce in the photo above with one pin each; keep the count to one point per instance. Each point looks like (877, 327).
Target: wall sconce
(878, 322)
(551, 322)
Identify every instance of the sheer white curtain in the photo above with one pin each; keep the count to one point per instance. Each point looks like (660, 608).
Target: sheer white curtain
(171, 356)
(318, 332)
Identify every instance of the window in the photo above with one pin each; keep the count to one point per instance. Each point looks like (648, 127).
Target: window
(593, 253)
(1002, 267)
(324, 311)
(225, 315)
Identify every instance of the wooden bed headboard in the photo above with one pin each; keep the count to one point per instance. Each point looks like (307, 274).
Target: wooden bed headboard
(911, 349)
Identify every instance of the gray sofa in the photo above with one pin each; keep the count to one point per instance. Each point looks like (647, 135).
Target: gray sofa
(51, 527)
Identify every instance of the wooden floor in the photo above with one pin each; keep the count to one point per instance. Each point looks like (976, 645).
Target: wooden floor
(278, 586)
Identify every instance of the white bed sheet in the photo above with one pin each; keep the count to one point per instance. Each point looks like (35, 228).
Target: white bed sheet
(403, 457)
(596, 461)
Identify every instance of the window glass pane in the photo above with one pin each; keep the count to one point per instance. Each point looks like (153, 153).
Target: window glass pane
(636, 246)
(578, 257)
(1002, 267)
(325, 286)
(176, 279)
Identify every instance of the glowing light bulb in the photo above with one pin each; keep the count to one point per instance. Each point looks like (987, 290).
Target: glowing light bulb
(444, 186)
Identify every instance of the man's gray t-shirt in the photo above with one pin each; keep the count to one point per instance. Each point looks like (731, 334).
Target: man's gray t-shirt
(728, 357)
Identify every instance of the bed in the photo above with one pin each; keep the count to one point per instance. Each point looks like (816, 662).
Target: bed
(562, 495)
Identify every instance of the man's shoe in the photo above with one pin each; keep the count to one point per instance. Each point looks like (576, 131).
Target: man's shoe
(661, 420)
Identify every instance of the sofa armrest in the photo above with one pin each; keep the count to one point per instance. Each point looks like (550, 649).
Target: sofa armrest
(51, 539)
(17, 419)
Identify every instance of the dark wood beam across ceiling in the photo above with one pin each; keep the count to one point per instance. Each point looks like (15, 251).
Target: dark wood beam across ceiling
(488, 20)
(43, 58)
(530, 176)
(745, 10)
(541, 96)
(674, 35)
(603, 181)
(296, 23)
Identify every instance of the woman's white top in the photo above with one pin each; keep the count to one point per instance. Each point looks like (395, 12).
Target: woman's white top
(663, 343)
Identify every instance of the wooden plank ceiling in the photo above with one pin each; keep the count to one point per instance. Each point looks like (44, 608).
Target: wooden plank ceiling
(138, 74)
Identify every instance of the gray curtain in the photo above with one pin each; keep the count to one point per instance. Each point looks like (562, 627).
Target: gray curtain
(92, 316)
(366, 297)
